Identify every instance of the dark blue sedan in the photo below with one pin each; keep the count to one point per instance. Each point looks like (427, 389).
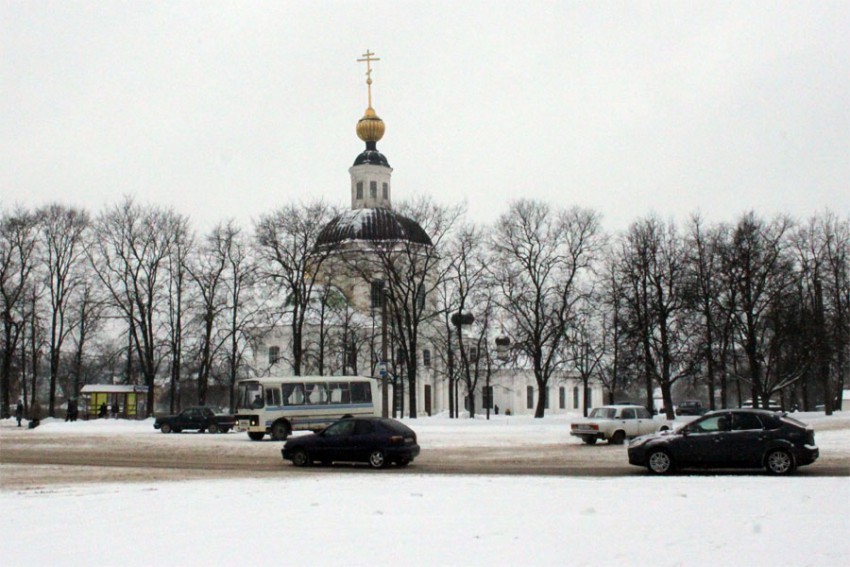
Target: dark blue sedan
(729, 439)
(374, 440)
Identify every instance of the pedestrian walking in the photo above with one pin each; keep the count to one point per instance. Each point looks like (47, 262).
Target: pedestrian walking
(19, 412)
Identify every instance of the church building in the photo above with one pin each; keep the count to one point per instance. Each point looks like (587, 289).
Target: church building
(356, 327)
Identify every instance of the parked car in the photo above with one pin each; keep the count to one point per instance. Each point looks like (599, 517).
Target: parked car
(199, 418)
(616, 422)
(374, 440)
(691, 407)
(729, 439)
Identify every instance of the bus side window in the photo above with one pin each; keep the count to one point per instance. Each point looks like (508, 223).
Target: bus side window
(339, 393)
(272, 397)
(317, 393)
(361, 393)
(293, 394)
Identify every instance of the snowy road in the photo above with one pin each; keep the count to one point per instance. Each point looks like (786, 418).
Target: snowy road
(120, 451)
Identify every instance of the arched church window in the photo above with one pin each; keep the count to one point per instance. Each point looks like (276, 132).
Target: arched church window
(359, 189)
(386, 190)
(373, 189)
(426, 358)
(274, 354)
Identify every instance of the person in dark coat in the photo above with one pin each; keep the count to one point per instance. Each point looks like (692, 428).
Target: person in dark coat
(102, 411)
(19, 412)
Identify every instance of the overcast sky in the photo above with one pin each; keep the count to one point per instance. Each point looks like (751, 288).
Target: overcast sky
(231, 109)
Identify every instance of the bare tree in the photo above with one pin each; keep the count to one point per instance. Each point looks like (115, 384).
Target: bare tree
(762, 271)
(89, 305)
(540, 257)
(63, 235)
(703, 289)
(18, 241)
(287, 249)
(467, 269)
(586, 348)
(653, 265)
(130, 254)
(413, 272)
(822, 246)
(614, 364)
(243, 309)
(176, 281)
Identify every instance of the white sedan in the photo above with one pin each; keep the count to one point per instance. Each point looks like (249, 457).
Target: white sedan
(615, 423)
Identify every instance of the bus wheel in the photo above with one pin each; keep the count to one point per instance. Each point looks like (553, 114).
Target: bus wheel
(256, 435)
(280, 431)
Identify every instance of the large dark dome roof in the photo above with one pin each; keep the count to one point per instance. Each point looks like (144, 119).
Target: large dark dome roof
(371, 225)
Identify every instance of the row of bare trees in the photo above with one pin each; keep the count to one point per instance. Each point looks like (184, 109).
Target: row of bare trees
(753, 309)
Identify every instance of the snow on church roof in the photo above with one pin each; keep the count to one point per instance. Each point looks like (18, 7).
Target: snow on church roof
(372, 225)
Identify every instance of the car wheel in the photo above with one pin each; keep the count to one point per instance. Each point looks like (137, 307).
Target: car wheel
(779, 462)
(165, 428)
(280, 431)
(300, 458)
(659, 462)
(377, 460)
(256, 435)
(617, 438)
(213, 428)
(590, 440)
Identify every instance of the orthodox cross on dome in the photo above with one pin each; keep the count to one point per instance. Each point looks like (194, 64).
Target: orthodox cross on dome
(368, 57)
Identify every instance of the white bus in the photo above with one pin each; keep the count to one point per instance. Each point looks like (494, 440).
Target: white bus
(280, 405)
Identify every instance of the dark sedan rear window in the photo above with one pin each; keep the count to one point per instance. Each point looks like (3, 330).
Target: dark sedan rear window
(396, 427)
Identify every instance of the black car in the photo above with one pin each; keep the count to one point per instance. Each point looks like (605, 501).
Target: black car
(690, 407)
(729, 439)
(374, 440)
(200, 418)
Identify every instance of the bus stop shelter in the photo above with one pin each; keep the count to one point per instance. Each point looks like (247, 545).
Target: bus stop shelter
(130, 400)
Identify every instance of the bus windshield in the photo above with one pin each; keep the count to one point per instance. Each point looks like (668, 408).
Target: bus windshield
(249, 396)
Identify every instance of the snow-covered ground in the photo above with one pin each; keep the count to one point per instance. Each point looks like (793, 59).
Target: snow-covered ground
(380, 518)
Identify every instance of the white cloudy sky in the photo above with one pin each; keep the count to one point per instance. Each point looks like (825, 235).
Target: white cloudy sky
(230, 109)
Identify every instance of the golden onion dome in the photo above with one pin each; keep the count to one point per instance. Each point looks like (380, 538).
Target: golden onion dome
(370, 128)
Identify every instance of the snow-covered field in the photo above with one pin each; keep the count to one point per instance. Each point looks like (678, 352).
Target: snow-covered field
(381, 518)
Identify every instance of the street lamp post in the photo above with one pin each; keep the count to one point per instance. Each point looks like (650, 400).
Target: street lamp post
(458, 320)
